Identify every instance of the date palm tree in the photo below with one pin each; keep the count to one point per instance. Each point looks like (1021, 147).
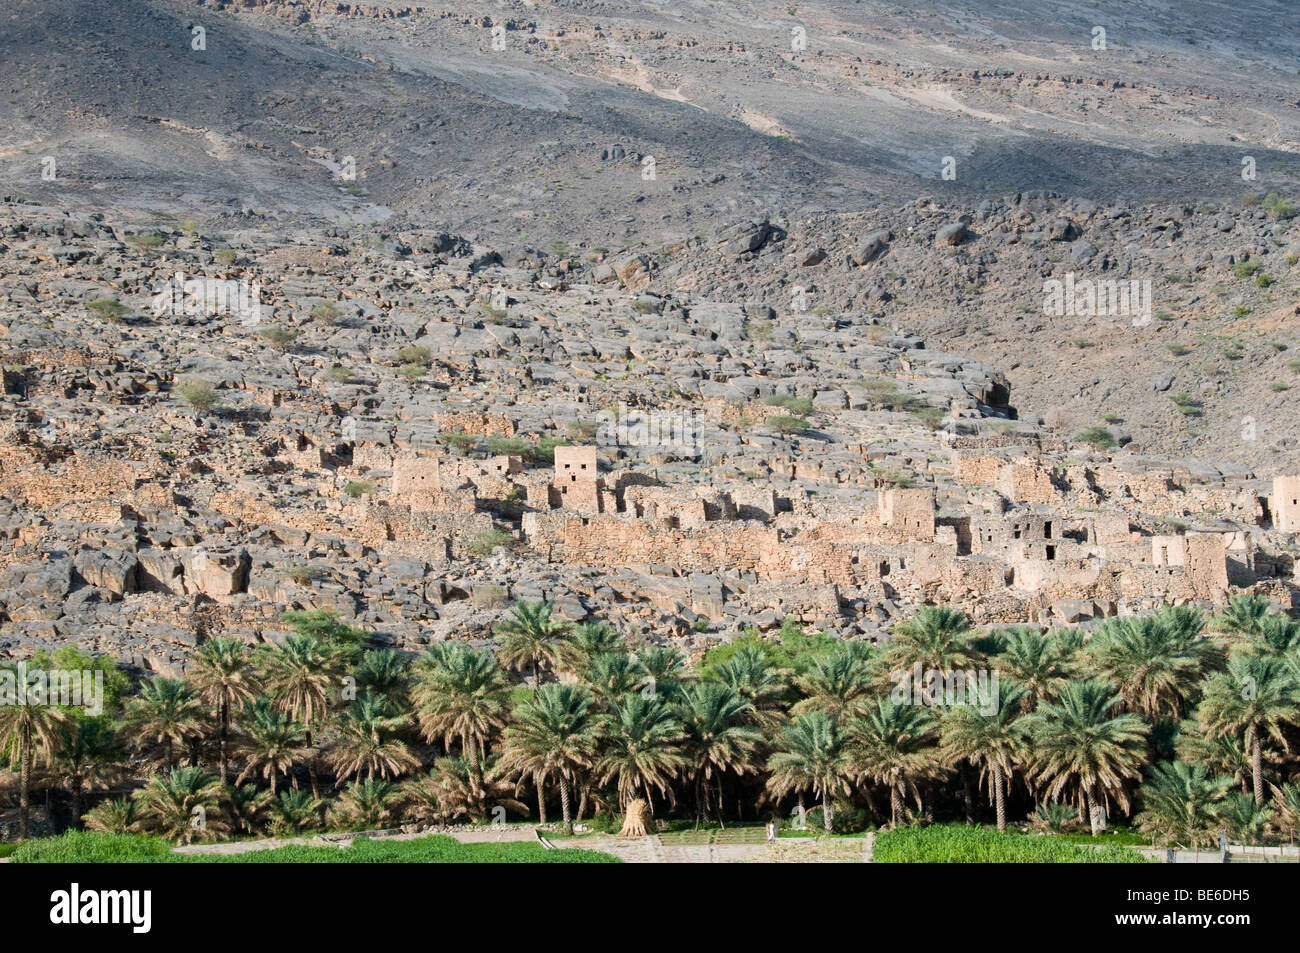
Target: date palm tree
(718, 739)
(225, 678)
(894, 745)
(454, 789)
(1221, 754)
(532, 639)
(1255, 698)
(1035, 661)
(586, 641)
(1182, 801)
(1287, 801)
(273, 742)
(183, 804)
(810, 755)
(1079, 744)
(1246, 819)
(839, 683)
(553, 736)
(369, 804)
(293, 812)
(1243, 615)
(1155, 660)
(1277, 635)
(385, 674)
(166, 712)
(757, 681)
(304, 679)
(665, 671)
(935, 637)
(249, 808)
(30, 734)
(641, 748)
(989, 734)
(114, 816)
(366, 742)
(612, 675)
(87, 758)
(461, 694)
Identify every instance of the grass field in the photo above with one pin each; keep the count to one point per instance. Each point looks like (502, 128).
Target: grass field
(82, 847)
(960, 844)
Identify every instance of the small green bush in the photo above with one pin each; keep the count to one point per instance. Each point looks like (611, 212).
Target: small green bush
(799, 406)
(281, 339)
(326, 312)
(488, 540)
(110, 309)
(358, 488)
(787, 424)
(304, 574)
(415, 354)
(198, 394)
(1277, 207)
(1099, 438)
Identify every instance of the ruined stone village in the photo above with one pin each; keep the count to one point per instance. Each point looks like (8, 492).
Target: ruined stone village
(415, 435)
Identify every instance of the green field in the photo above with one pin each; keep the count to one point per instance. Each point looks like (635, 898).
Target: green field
(960, 844)
(81, 847)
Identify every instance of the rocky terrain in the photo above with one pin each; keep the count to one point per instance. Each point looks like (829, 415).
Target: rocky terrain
(815, 245)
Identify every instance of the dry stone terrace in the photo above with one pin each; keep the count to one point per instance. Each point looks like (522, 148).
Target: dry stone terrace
(450, 434)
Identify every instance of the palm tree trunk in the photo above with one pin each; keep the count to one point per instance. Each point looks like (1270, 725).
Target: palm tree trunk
(564, 804)
(76, 800)
(1256, 765)
(273, 774)
(223, 715)
(893, 806)
(24, 780)
(311, 767)
(721, 822)
(828, 812)
(536, 680)
(998, 799)
(968, 792)
(541, 801)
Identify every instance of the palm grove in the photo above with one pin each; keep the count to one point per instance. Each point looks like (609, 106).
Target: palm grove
(1181, 722)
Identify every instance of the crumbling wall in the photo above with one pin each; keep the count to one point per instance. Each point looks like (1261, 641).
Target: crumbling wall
(908, 511)
(1285, 504)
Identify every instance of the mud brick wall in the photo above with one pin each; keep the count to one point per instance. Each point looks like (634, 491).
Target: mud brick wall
(1059, 578)
(824, 563)
(462, 501)
(79, 479)
(579, 497)
(372, 456)
(619, 542)
(416, 476)
(910, 512)
(1207, 566)
(978, 469)
(1026, 482)
(1285, 504)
